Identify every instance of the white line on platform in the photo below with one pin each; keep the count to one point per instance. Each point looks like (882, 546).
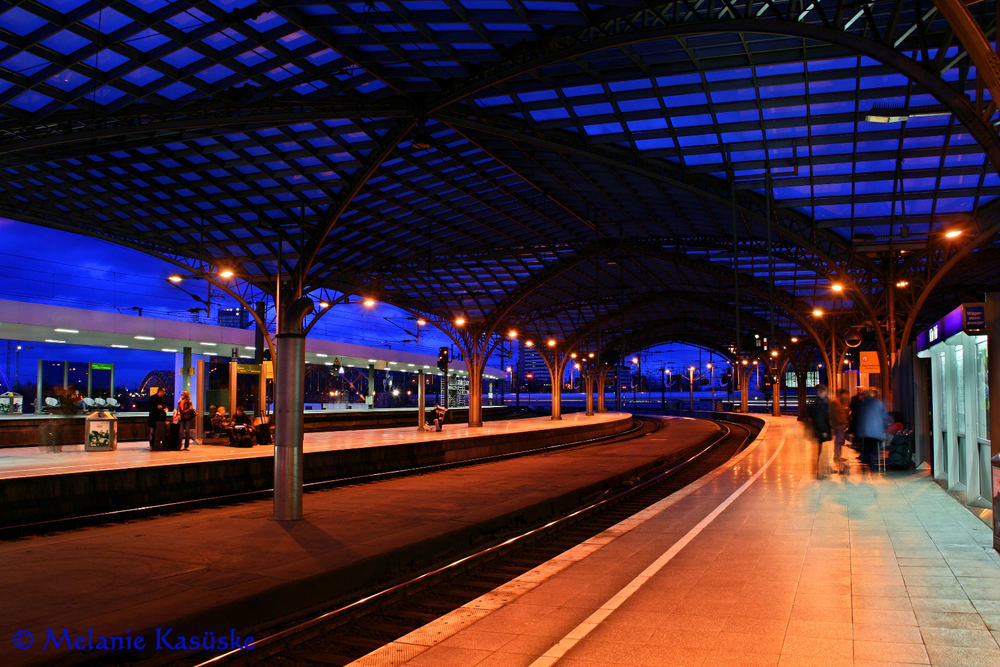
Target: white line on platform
(560, 648)
(423, 638)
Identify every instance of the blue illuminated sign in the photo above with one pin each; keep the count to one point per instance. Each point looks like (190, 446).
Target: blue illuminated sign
(975, 318)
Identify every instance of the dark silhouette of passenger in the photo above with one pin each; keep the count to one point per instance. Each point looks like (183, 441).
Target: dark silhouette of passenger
(819, 421)
(156, 421)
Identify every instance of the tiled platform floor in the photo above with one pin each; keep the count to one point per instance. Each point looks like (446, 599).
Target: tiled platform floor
(32, 461)
(859, 569)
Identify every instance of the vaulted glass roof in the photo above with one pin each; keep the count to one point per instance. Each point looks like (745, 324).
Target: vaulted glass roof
(595, 171)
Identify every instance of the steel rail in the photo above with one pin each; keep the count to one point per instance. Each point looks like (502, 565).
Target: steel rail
(304, 630)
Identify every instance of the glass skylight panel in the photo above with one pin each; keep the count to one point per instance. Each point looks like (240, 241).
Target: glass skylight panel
(283, 72)
(698, 140)
(872, 146)
(21, 22)
(862, 187)
(955, 204)
(65, 42)
(646, 104)
(31, 101)
(106, 60)
(254, 56)
(181, 58)
(105, 95)
(106, 20)
(147, 40)
(24, 63)
(650, 124)
(149, 6)
(68, 80)
(687, 100)
(215, 73)
(176, 90)
(748, 135)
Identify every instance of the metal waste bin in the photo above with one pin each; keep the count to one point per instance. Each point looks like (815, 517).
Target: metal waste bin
(100, 432)
(11, 403)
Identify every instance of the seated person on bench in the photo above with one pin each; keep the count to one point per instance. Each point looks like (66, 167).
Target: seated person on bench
(222, 425)
(242, 425)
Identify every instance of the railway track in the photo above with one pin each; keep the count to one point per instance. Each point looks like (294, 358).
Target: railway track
(351, 630)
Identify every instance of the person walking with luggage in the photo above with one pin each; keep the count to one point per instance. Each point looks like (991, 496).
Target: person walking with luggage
(838, 422)
(185, 408)
(819, 420)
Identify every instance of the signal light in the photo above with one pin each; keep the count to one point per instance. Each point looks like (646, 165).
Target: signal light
(443, 359)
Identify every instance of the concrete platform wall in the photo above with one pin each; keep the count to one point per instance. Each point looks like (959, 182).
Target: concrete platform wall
(43, 498)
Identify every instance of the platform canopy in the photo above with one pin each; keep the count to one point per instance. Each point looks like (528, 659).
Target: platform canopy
(614, 174)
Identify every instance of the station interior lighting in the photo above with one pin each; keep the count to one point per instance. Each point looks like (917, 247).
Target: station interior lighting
(817, 312)
(953, 233)
(226, 273)
(774, 353)
(459, 321)
(902, 283)
(551, 343)
(368, 302)
(421, 322)
(795, 339)
(529, 343)
(837, 287)
(324, 304)
(512, 333)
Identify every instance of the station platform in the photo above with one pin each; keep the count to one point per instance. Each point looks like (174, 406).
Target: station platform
(759, 563)
(231, 567)
(48, 483)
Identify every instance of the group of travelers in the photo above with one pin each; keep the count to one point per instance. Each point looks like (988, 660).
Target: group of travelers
(234, 427)
(864, 418)
(157, 421)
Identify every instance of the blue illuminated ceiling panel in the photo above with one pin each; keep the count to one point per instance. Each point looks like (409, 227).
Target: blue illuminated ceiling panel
(455, 153)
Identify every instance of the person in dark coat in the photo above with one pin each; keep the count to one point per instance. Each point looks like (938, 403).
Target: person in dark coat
(819, 421)
(852, 416)
(157, 414)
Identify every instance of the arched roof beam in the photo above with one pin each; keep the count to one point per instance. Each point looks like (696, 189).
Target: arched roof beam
(749, 204)
(373, 161)
(669, 20)
(79, 126)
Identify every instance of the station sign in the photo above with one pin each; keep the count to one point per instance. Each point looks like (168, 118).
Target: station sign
(869, 362)
(975, 318)
(101, 367)
(250, 369)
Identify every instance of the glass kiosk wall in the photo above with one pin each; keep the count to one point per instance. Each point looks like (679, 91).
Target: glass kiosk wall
(956, 347)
